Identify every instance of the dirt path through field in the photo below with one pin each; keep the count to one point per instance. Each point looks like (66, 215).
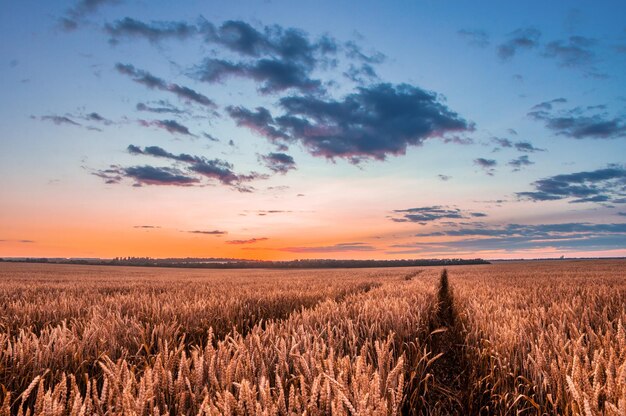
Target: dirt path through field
(447, 394)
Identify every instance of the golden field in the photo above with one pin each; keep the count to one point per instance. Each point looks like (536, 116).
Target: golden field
(507, 338)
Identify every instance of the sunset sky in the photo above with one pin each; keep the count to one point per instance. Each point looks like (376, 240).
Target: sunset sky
(327, 129)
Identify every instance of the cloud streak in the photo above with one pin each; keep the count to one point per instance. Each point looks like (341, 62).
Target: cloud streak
(424, 215)
(602, 185)
(147, 79)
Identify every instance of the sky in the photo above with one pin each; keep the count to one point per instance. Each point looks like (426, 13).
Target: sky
(280, 130)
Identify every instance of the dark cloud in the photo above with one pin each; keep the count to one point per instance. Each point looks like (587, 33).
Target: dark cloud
(548, 105)
(153, 82)
(95, 117)
(361, 74)
(111, 175)
(18, 241)
(149, 227)
(60, 120)
(579, 123)
(475, 37)
(160, 108)
(274, 75)
(211, 232)
(288, 44)
(623, 214)
(602, 185)
(249, 241)
(502, 142)
(520, 162)
(372, 123)
(75, 15)
(259, 121)
(278, 58)
(170, 126)
(337, 248)
(444, 177)
(525, 38)
(154, 31)
(278, 162)
(520, 236)
(151, 175)
(217, 169)
(423, 215)
(577, 51)
(487, 165)
(527, 147)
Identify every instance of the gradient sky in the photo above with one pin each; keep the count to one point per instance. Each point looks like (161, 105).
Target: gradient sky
(283, 130)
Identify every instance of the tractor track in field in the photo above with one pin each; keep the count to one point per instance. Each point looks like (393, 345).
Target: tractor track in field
(448, 392)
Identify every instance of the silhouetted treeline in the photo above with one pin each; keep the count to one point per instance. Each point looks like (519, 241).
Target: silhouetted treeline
(226, 263)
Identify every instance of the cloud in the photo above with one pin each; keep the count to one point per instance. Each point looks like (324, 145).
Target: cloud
(154, 31)
(161, 107)
(147, 79)
(210, 137)
(211, 232)
(93, 116)
(278, 58)
(75, 15)
(151, 175)
(18, 241)
(147, 226)
(511, 237)
(170, 126)
(274, 75)
(262, 212)
(423, 215)
(548, 105)
(520, 162)
(487, 165)
(373, 123)
(278, 162)
(260, 121)
(580, 123)
(60, 120)
(249, 241)
(623, 214)
(217, 169)
(524, 38)
(444, 178)
(602, 185)
(475, 37)
(574, 52)
(527, 147)
(502, 142)
(289, 44)
(337, 248)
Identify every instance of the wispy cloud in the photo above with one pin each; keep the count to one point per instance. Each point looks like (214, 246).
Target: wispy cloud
(145, 78)
(337, 248)
(579, 123)
(520, 39)
(218, 233)
(248, 241)
(423, 215)
(602, 185)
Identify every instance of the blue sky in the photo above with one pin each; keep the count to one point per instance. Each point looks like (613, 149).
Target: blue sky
(285, 129)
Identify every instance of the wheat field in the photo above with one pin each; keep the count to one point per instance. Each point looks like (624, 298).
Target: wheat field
(529, 338)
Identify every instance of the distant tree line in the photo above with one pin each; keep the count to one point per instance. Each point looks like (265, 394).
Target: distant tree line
(227, 263)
